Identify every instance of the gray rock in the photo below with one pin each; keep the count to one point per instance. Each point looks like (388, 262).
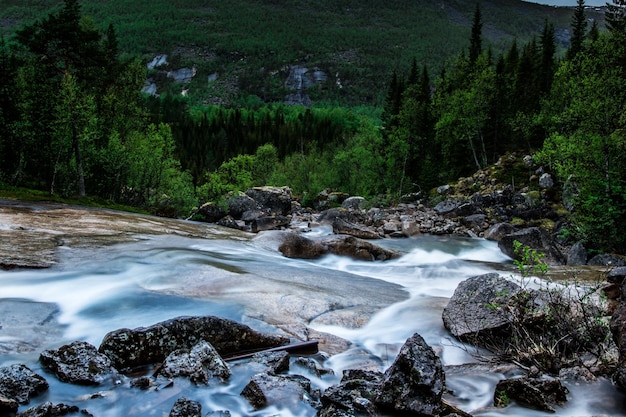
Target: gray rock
(538, 394)
(468, 315)
(275, 362)
(353, 203)
(415, 382)
(341, 226)
(617, 275)
(230, 222)
(353, 396)
(184, 407)
(78, 363)
(19, 383)
(199, 365)
(48, 409)
(290, 391)
(454, 208)
(240, 203)
(269, 223)
(444, 189)
(211, 212)
(295, 245)
(474, 220)
(499, 230)
(607, 259)
(329, 216)
(27, 325)
(359, 249)
(275, 200)
(577, 254)
(537, 239)
(150, 345)
(546, 181)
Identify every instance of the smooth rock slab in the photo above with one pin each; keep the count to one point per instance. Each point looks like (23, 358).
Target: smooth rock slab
(26, 325)
(151, 345)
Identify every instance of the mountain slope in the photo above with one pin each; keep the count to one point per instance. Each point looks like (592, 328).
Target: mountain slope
(249, 44)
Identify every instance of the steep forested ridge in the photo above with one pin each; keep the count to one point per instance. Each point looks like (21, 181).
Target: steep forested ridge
(73, 121)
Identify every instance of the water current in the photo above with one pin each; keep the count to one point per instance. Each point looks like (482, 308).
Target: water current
(156, 278)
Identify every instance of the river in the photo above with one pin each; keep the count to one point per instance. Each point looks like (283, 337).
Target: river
(376, 306)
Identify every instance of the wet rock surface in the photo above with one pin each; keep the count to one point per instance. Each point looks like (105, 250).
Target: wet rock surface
(472, 313)
(27, 325)
(150, 345)
(18, 384)
(199, 364)
(290, 391)
(78, 363)
(538, 394)
(415, 382)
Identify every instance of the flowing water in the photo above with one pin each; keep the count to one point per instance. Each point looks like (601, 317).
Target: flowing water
(156, 278)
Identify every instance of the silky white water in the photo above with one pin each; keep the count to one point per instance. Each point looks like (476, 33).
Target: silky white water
(161, 277)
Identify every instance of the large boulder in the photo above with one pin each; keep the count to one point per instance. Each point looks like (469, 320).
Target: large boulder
(577, 255)
(199, 365)
(274, 200)
(537, 239)
(78, 363)
(19, 383)
(240, 203)
(211, 212)
(150, 345)
(472, 314)
(499, 230)
(607, 259)
(415, 382)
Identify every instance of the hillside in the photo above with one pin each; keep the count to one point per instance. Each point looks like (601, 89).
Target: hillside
(248, 46)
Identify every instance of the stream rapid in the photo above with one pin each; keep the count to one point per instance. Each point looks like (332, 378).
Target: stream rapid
(156, 278)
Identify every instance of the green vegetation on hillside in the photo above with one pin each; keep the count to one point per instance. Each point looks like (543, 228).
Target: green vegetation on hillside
(250, 44)
(73, 122)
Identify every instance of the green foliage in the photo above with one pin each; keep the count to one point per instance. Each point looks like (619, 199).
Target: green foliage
(586, 146)
(551, 325)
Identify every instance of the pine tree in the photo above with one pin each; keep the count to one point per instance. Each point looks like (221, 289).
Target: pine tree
(579, 29)
(615, 17)
(476, 37)
(548, 51)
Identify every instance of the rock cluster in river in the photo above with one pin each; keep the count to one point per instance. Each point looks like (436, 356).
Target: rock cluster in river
(476, 206)
(414, 383)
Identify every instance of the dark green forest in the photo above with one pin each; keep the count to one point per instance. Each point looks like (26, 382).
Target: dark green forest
(73, 120)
